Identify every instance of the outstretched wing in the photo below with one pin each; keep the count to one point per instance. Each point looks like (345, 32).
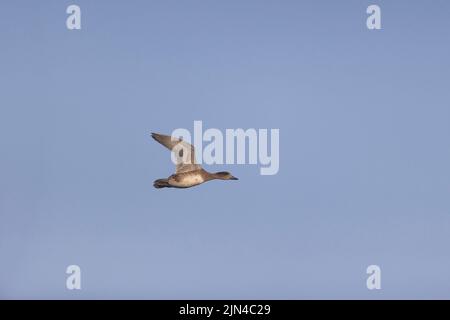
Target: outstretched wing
(183, 151)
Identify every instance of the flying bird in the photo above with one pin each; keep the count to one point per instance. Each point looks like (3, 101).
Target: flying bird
(188, 173)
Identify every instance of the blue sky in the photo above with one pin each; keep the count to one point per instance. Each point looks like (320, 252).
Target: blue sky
(364, 155)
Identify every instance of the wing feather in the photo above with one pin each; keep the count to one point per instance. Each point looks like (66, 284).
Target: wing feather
(183, 151)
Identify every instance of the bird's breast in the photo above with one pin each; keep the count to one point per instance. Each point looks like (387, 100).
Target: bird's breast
(184, 180)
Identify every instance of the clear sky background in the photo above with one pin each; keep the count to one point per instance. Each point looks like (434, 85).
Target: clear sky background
(364, 119)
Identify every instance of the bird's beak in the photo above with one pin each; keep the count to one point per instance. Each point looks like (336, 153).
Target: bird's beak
(234, 178)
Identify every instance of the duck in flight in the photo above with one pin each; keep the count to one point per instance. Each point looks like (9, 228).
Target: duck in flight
(188, 173)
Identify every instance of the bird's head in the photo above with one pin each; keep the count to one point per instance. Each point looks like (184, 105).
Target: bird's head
(224, 175)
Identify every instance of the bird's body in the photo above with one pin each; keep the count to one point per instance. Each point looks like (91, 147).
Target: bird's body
(187, 179)
(188, 172)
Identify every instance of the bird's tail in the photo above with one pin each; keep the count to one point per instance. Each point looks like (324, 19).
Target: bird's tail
(161, 183)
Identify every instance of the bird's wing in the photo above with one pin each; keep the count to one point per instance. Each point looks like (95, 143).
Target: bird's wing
(183, 151)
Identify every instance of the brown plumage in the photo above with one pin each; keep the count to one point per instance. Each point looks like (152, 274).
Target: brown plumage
(188, 173)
